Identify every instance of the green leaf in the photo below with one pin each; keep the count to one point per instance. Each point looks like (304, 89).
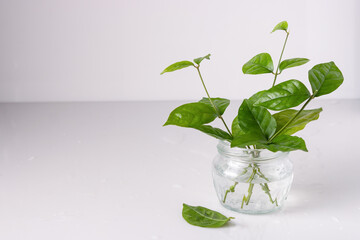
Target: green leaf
(286, 143)
(284, 95)
(177, 66)
(256, 96)
(256, 120)
(247, 139)
(220, 103)
(299, 123)
(214, 132)
(199, 60)
(261, 63)
(281, 26)
(325, 78)
(235, 128)
(293, 62)
(195, 115)
(191, 115)
(203, 217)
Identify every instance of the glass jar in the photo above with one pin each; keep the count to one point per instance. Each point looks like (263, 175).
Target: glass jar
(251, 181)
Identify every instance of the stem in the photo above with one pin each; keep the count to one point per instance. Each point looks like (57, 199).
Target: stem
(293, 118)
(282, 51)
(265, 186)
(212, 104)
(260, 173)
(252, 176)
(246, 199)
(231, 189)
(266, 189)
(226, 126)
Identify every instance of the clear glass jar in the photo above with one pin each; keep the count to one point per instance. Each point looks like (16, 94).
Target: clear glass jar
(251, 181)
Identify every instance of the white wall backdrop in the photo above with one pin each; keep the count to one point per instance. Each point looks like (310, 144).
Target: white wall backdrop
(105, 50)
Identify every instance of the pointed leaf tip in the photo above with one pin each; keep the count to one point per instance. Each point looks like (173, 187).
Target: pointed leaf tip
(199, 60)
(177, 66)
(293, 62)
(281, 26)
(191, 115)
(303, 118)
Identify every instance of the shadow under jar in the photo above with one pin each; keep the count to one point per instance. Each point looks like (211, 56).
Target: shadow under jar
(252, 181)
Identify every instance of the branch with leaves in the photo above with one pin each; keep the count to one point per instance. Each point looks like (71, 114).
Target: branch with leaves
(254, 124)
(196, 115)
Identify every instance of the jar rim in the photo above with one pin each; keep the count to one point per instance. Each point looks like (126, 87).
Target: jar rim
(248, 154)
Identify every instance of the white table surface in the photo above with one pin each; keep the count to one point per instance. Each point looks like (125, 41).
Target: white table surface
(111, 171)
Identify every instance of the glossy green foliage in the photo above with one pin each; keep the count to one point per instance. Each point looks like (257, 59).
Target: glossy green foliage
(235, 128)
(286, 143)
(191, 115)
(299, 122)
(293, 62)
(256, 120)
(214, 132)
(256, 96)
(325, 78)
(261, 63)
(220, 103)
(199, 60)
(177, 66)
(281, 26)
(254, 124)
(203, 217)
(283, 96)
(196, 115)
(247, 139)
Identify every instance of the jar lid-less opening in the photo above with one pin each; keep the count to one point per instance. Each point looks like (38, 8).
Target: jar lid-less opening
(248, 154)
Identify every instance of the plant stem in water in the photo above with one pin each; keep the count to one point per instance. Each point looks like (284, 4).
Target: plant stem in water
(266, 189)
(246, 199)
(231, 189)
(265, 186)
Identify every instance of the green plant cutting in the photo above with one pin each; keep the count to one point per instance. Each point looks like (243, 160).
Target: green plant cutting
(265, 120)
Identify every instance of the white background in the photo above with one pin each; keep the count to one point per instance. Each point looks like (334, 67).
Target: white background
(110, 50)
